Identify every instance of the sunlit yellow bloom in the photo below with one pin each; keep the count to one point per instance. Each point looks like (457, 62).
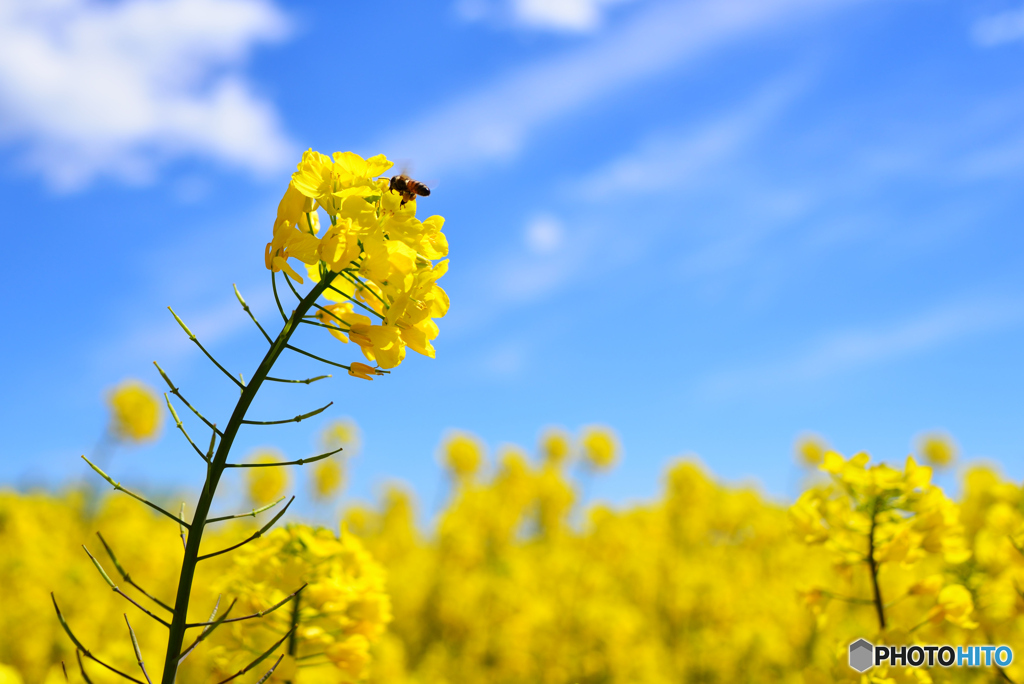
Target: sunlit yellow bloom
(328, 476)
(135, 411)
(929, 586)
(810, 449)
(267, 483)
(351, 656)
(380, 343)
(937, 448)
(462, 454)
(600, 447)
(8, 675)
(955, 605)
(343, 607)
(555, 446)
(808, 519)
(381, 254)
(341, 432)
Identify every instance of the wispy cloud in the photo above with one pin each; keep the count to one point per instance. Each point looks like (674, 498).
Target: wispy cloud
(508, 359)
(163, 338)
(555, 15)
(497, 121)
(997, 29)
(96, 88)
(666, 161)
(852, 349)
(556, 254)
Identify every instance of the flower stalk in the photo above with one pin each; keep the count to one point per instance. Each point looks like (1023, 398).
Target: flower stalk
(217, 466)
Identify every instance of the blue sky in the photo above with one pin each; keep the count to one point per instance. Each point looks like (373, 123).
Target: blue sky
(711, 224)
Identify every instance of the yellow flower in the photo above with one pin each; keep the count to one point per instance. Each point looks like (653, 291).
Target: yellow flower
(135, 411)
(810, 449)
(380, 343)
(462, 454)
(600, 447)
(343, 606)
(807, 518)
(555, 446)
(382, 251)
(328, 477)
(929, 586)
(937, 448)
(351, 656)
(341, 432)
(955, 605)
(8, 675)
(267, 483)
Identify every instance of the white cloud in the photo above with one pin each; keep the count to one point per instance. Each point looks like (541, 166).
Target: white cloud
(573, 16)
(544, 234)
(562, 15)
(997, 29)
(96, 88)
(846, 351)
(495, 122)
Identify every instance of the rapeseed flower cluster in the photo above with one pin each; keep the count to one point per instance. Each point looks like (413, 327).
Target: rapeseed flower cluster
(340, 611)
(383, 253)
(911, 566)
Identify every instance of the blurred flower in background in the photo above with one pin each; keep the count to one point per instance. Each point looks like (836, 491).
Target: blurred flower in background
(937, 448)
(135, 412)
(265, 484)
(341, 433)
(600, 447)
(555, 446)
(810, 449)
(462, 454)
(329, 474)
(328, 478)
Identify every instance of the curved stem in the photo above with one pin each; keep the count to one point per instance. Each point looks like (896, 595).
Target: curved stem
(873, 565)
(216, 469)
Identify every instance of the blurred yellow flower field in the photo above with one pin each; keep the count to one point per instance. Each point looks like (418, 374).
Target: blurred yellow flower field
(519, 580)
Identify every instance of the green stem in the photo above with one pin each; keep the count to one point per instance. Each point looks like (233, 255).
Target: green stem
(214, 472)
(293, 640)
(879, 606)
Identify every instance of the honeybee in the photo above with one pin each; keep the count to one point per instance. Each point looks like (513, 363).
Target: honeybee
(408, 188)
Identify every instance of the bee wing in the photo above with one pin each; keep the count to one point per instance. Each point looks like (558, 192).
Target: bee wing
(402, 167)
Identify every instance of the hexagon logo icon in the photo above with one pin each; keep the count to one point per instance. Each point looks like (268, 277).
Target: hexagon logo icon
(861, 655)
